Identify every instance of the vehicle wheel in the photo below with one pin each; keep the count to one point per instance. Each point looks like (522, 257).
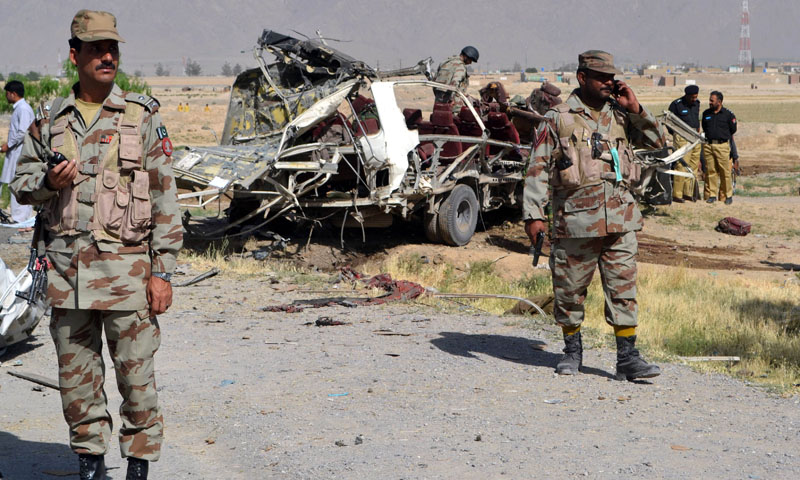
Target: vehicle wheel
(431, 223)
(458, 216)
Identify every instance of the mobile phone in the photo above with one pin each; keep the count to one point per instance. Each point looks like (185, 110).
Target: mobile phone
(55, 159)
(617, 88)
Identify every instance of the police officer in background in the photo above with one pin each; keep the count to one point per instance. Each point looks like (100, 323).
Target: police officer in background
(687, 108)
(719, 125)
(453, 72)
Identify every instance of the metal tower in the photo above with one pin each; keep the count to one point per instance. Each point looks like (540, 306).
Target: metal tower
(745, 56)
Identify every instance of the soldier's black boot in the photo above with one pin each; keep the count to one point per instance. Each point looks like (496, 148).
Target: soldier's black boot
(630, 365)
(91, 467)
(571, 361)
(137, 469)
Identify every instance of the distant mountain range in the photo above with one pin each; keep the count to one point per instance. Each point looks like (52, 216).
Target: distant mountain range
(542, 34)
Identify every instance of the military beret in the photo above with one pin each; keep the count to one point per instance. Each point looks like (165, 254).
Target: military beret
(551, 89)
(691, 90)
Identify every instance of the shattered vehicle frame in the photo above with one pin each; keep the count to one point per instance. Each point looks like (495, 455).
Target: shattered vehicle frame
(658, 165)
(296, 139)
(317, 135)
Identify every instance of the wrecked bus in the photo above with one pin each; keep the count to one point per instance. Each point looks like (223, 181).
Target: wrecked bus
(317, 134)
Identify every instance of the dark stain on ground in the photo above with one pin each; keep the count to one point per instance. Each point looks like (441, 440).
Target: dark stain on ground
(661, 251)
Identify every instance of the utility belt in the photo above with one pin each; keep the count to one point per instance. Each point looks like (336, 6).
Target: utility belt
(716, 141)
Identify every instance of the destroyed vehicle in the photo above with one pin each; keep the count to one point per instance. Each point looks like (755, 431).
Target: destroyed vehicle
(318, 135)
(323, 136)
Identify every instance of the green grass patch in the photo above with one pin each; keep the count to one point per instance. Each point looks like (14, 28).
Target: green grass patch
(762, 112)
(768, 185)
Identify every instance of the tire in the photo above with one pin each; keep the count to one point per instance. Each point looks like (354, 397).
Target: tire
(458, 216)
(431, 224)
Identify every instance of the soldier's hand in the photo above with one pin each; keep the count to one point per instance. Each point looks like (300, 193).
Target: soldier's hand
(62, 175)
(532, 227)
(627, 98)
(159, 295)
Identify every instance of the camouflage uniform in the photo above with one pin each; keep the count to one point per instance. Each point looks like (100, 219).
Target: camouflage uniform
(104, 235)
(451, 72)
(595, 217)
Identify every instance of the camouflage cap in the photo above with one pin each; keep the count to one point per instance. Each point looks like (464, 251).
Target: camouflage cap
(91, 26)
(599, 61)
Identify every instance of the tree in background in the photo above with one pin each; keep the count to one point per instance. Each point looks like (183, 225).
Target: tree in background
(227, 70)
(40, 88)
(138, 73)
(531, 70)
(161, 71)
(193, 68)
(2, 78)
(517, 67)
(237, 69)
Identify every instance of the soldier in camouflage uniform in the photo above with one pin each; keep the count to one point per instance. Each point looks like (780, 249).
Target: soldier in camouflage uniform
(453, 72)
(111, 229)
(583, 156)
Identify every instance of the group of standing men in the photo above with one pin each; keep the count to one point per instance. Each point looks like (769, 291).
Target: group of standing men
(719, 152)
(111, 230)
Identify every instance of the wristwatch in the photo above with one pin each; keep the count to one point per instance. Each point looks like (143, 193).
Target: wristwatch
(163, 276)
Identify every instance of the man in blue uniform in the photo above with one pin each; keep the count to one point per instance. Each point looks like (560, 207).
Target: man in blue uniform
(687, 108)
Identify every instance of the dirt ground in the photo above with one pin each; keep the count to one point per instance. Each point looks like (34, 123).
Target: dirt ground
(408, 391)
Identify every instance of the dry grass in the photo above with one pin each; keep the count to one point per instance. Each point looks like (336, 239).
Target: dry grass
(682, 312)
(772, 184)
(768, 111)
(237, 265)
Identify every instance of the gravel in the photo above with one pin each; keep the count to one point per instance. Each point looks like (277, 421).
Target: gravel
(248, 394)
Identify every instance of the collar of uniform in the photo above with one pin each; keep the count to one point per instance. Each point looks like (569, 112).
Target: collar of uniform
(576, 104)
(114, 99)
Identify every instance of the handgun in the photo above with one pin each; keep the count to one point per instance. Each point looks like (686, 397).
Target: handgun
(536, 248)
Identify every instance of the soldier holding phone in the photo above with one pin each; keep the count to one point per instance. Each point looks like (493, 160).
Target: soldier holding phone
(583, 161)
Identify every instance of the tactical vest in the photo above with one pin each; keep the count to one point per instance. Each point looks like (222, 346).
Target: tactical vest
(574, 134)
(121, 193)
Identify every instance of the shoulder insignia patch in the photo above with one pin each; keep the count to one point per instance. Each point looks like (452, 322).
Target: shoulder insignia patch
(166, 146)
(162, 132)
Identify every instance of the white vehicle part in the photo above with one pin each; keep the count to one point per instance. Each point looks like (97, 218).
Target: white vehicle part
(322, 109)
(675, 173)
(316, 113)
(395, 140)
(17, 318)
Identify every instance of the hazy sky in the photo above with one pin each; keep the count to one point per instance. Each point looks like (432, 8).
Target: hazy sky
(546, 33)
